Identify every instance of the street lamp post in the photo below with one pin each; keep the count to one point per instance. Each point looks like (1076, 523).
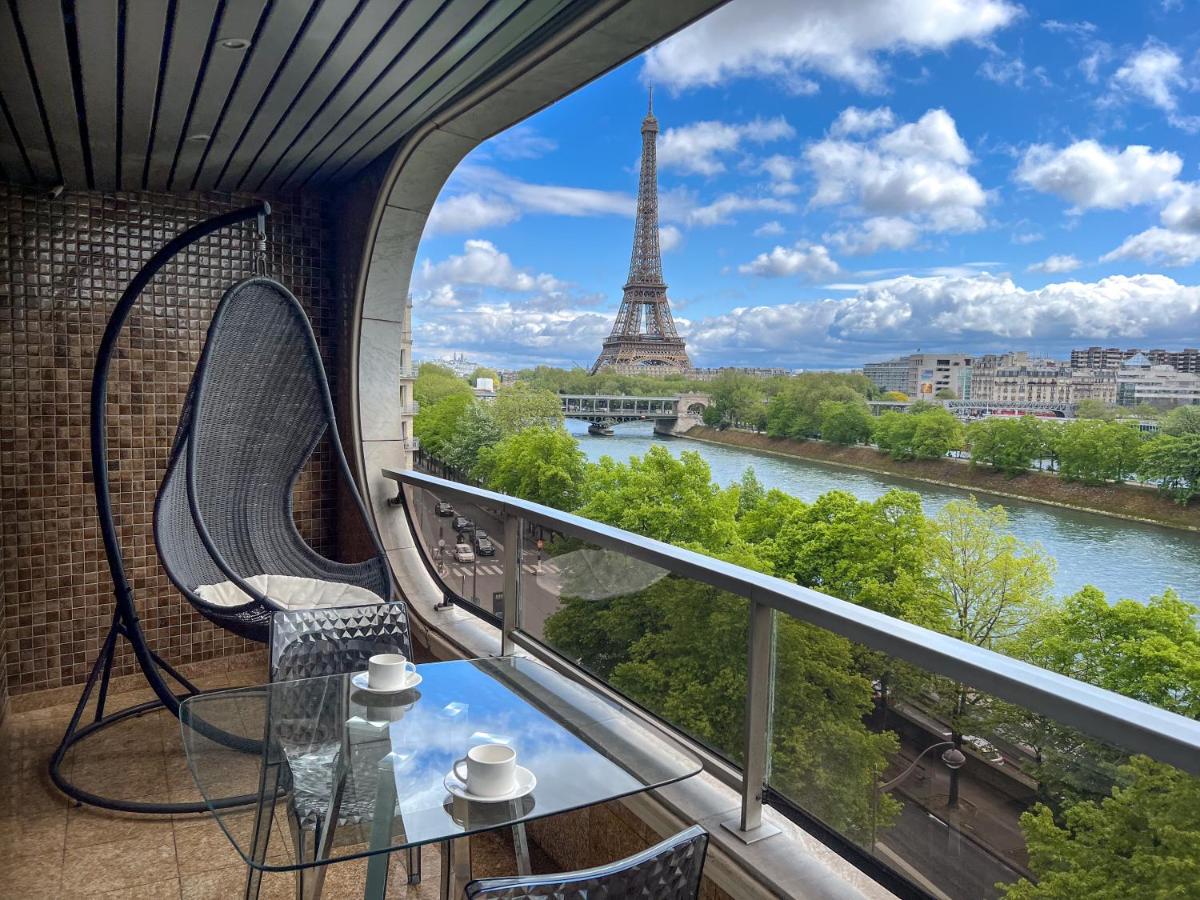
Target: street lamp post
(951, 756)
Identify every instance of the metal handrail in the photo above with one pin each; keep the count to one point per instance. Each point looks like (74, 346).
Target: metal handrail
(1110, 717)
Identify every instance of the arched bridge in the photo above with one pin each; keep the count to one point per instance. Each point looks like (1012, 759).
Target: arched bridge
(669, 414)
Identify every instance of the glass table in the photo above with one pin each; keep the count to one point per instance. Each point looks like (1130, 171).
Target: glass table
(302, 774)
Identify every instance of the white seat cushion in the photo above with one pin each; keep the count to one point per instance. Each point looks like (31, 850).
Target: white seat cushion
(289, 592)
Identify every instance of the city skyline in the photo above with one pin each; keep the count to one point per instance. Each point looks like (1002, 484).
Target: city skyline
(989, 178)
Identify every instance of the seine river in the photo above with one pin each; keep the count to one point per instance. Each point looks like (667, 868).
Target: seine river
(1123, 559)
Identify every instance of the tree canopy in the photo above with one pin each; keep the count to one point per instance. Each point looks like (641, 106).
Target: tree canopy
(542, 464)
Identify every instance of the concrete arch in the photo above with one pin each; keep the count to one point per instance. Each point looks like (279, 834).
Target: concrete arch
(385, 215)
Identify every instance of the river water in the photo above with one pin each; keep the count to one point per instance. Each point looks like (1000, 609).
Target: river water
(1123, 559)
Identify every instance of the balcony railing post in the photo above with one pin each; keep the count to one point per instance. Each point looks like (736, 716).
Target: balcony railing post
(510, 616)
(759, 681)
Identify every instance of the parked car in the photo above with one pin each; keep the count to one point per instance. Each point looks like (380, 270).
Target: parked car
(443, 508)
(484, 545)
(984, 748)
(463, 553)
(462, 523)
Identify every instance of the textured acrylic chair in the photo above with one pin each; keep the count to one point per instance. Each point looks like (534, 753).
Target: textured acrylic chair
(667, 871)
(311, 643)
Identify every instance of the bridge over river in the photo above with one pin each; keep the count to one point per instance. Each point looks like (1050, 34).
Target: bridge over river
(670, 415)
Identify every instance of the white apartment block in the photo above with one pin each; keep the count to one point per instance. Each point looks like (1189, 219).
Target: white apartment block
(1016, 378)
(1140, 381)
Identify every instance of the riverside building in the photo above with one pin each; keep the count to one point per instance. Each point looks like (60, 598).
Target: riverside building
(1016, 378)
(921, 376)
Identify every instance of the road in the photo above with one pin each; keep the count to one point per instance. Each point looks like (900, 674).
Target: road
(483, 579)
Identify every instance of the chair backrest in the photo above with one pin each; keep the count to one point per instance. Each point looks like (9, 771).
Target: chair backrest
(308, 643)
(670, 870)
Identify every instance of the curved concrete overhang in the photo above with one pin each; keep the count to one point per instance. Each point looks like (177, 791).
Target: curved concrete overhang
(388, 216)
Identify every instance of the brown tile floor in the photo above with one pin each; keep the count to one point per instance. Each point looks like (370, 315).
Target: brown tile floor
(51, 848)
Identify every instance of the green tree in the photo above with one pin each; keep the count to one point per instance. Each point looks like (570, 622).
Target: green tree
(946, 394)
(1141, 841)
(1095, 409)
(1010, 445)
(735, 396)
(477, 429)
(1173, 463)
(484, 372)
(988, 586)
(541, 464)
(846, 422)
(434, 383)
(1181, 420)
(521, 406)
(664, 497)
(750, 492)
(1143, 838)
(794, 411)
(1095, 451)
(925, 431)
(436, 423)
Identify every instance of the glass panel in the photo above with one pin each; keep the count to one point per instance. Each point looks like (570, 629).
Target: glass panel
(675, 646)
(952, 787)
(463, 544)
(321, 749)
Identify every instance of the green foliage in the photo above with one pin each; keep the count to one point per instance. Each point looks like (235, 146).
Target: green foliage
(750, 492)
(946, 394)
(794, 411)
(436, 423)
(1095, 451)
(1149, 651)
(1010, 445)
(664, 497)
(484, 372)
(477, 429)
(1173, 463)
(578, 381)
(988, 584)
(846, 422)
(434, 383)
(541, 464)
(736, 396)
(925, 431)
(711, 417)
(1142, 841)
(521, 406)
(1181, 420)
(1096, 409)
(895, 397)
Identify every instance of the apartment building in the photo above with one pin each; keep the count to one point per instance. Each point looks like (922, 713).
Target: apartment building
(923, 375)
(1017, 378)
(1186, 360)
(1140, 380)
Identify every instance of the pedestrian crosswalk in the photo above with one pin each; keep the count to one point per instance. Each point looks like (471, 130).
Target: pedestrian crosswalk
(460, 570)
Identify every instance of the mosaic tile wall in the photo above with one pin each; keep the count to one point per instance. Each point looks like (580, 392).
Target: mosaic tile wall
(63, 265)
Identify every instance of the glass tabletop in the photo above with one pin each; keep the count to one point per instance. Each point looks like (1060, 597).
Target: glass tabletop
(278, 763)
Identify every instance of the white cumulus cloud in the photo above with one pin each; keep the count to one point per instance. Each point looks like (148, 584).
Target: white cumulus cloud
(669, 238)
(791, 41)
(1155, 73)
(697, 148)
(1090, 175)
(809, 260)
(971, 310)
(1058, 262)
(1159, 245)
(905, 180)
(483, 264)
(469, 212)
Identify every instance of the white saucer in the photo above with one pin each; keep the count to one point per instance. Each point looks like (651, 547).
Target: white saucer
(525, 783)
(359, 680)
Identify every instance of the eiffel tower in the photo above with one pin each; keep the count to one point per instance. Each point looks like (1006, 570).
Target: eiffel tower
(644, 339)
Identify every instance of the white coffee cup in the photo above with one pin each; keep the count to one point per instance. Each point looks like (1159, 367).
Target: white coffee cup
(488, 770)
(389, 672)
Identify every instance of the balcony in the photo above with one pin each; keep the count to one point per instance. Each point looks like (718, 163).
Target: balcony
(412, 444)
(897, 791)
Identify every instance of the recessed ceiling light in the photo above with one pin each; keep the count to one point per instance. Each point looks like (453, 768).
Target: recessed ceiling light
(234, 43)
(199, 138)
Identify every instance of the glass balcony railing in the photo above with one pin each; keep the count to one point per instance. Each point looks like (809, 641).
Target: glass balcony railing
(926, 760)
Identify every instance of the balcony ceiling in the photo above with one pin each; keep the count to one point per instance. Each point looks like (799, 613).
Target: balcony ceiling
(244, 95)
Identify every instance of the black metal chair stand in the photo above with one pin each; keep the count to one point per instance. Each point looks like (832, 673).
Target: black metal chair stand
(261, 363)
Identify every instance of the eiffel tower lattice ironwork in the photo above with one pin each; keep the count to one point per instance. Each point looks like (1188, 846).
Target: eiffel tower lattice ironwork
(644, 338)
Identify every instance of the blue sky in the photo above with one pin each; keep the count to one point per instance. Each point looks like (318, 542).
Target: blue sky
(843, 181)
